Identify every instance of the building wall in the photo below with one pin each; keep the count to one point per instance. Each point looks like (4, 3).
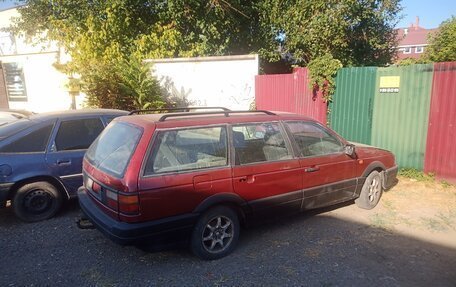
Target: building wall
(227, 81)
(3, 95)
(413, 40)
(411, 51)
(45, 87)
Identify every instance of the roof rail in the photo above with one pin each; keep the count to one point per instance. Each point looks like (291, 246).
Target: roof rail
(226, 113)
(183, 109)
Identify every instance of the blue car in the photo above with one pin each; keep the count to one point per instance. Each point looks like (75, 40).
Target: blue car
(41, 159)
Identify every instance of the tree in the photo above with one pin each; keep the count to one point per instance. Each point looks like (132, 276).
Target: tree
(99, 35)
(103, 37)
(442, 45)
(351, 32)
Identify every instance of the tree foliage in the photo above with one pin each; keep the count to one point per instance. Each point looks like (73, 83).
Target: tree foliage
(322, 71)
(412, 61)
(352, 32)
(442, 45)
(104, 36)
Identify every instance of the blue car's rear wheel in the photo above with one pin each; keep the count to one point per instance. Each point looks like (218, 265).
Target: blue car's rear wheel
(37, 201)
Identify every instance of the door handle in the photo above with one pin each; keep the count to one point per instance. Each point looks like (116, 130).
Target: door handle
(312, 169)
(63, 162)
(248, 179)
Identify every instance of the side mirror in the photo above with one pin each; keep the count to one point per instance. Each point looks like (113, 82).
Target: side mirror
(350, 150)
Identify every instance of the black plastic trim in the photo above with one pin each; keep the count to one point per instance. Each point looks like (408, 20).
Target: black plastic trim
(276, 200)
(226, 113)
(390, 178)
(183, 109)
(161, 230)
(372, 166)
(5, 189)
(222, 198)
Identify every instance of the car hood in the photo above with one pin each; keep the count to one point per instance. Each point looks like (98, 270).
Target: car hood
(367, 151)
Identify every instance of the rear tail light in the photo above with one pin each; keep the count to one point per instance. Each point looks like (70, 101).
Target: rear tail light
(120, 202)
(129, 204)
(111, 199)
(96, 187)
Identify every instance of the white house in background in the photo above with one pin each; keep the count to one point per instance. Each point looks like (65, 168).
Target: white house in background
(32, 82)
(413, 41)
(227, 81)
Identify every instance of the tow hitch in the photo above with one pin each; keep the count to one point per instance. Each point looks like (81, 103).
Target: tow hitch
(84, 223)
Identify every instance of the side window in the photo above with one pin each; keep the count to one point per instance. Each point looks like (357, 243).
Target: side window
(187, 149)
(259, 143)
(33, 142)
(77, 134)
(313, 140)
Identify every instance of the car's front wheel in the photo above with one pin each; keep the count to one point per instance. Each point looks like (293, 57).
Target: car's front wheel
(37, 201)
(216, 233)
(371, 192)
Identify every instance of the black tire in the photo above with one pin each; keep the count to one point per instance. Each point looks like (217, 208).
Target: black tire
(37, 201)
(371, 192)
(216, 233)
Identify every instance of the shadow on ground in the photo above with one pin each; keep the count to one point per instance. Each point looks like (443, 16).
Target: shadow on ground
(313, 249)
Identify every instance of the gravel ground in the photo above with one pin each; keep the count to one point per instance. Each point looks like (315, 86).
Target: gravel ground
(336, 247)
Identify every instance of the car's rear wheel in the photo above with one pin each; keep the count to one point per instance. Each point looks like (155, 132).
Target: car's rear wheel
(371, 192)
(37, 201)
(216, 233)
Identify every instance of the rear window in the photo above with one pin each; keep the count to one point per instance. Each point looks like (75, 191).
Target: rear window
(35, 141)
(77, 134)
(9, 129)
(113, 149)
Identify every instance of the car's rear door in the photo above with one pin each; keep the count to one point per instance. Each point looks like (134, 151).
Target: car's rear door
(67, 147)
(184, 167)
(328, 173)
(265, 172)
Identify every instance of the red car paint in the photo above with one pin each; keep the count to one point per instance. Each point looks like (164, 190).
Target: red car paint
(295, 183)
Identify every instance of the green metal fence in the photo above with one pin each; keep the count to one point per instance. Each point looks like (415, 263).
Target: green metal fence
(385, 107)
(401, 112)
(351, 109)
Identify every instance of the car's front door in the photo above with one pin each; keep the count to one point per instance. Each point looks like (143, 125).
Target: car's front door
(69, 143)
(328, 173)
(265, 172)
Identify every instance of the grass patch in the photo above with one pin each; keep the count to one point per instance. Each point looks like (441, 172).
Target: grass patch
(446, 184)
(383, 220)
(433, 224)
(388, 218)
(448, 219)
(418, 175)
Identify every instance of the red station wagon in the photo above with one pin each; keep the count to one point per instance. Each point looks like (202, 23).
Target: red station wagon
(197, 176)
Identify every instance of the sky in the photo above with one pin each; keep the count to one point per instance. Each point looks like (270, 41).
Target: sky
(431, 12)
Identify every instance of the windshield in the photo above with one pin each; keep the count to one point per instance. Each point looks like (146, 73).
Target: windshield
(113, 149)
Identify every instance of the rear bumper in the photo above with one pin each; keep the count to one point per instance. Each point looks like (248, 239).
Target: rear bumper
(390, 177)
(156, 232)
(5, 189)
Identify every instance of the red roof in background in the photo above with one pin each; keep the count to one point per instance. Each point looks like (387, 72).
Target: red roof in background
(415, 35)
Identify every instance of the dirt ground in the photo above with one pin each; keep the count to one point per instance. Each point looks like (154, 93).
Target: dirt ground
(409, 239)
(422, 210)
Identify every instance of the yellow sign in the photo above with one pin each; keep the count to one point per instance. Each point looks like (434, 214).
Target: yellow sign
(389, 84)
